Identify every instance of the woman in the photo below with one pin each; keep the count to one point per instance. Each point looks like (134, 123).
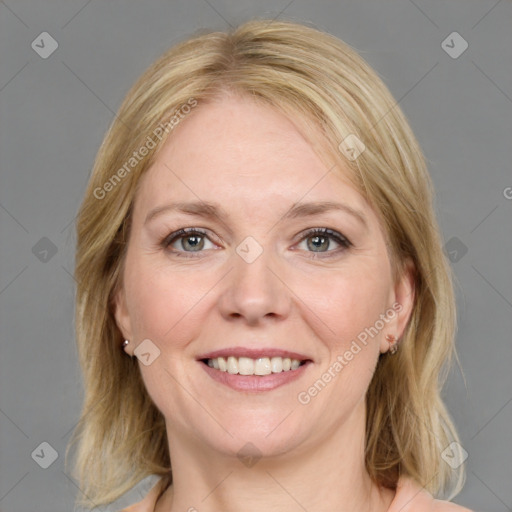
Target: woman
(258, 236)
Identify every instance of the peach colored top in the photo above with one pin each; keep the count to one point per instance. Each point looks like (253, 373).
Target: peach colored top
(409, 497)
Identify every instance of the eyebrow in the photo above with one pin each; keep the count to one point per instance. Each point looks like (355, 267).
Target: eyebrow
(215, 211)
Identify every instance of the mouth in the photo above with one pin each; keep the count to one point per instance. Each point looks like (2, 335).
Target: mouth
(254, 370)
(260, 366)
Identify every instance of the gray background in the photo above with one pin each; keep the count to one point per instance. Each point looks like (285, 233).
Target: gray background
(54, 114)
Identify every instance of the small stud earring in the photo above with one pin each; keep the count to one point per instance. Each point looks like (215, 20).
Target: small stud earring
(125, 343)
(393, 343)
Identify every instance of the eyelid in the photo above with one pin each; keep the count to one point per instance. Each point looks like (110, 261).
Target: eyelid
(333, 233)
(339, 238)
(181, 234)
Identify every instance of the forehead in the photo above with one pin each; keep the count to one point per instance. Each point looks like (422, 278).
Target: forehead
(242, 153)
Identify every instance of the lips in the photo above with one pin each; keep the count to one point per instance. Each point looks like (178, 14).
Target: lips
(254, 370)
(254, 353)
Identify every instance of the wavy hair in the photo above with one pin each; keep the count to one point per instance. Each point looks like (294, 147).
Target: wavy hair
(330, 92)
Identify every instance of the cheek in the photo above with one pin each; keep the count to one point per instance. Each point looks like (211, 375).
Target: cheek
(162, 302)
(353, 305)
(351, 302)
(165, 307)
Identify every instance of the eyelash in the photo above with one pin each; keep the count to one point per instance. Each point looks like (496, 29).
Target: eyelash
(325, 232)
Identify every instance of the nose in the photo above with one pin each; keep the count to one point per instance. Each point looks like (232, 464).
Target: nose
(255, 291)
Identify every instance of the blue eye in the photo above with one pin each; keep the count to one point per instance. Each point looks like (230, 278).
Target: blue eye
(321, 238)
(193, 240)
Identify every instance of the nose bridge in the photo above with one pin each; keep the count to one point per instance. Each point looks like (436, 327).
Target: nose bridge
(254, 290)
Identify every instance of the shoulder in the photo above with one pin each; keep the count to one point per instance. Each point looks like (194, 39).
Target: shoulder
(148, 504)
(447, 506)
(411, 497)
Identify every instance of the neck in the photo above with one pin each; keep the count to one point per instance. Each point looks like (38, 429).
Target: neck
(327, 475)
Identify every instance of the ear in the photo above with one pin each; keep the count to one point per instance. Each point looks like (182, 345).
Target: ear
(122, 316)
(401, 302)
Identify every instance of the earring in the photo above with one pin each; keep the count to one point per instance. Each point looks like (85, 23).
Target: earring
(393, 343)
(125, 343)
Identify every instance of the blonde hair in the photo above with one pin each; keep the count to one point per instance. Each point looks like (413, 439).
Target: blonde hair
(328, 90)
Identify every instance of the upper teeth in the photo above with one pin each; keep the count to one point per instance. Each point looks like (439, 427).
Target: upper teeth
(248, 366)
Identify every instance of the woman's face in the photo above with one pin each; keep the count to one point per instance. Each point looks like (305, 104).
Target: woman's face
(256, 285)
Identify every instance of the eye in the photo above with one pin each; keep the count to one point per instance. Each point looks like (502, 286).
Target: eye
(193, 240)
(318, 240)
(187, 239)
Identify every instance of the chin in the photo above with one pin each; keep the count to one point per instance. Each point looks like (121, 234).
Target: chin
(254, 433)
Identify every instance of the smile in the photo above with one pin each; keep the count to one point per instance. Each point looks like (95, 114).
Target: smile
(248, 366)
(251, 382)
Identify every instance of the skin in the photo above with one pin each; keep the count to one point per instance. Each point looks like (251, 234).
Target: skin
(254, 162)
